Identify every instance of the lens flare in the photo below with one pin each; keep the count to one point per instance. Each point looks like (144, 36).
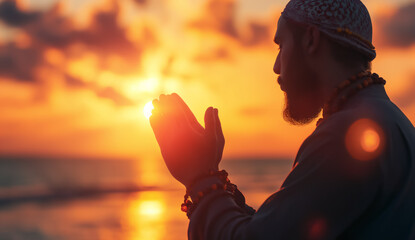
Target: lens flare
(365, 139)
(370, 140)
(317, 229)
(148, 108)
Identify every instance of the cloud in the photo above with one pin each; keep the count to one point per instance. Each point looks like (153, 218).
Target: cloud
(141, 2)
(259, 33)
(219, 53)
(399, 29)
(219, 16)
(116, 97)
(19, 64)
(406, 98)
(104, 37)
(12, 16)
(102, 92)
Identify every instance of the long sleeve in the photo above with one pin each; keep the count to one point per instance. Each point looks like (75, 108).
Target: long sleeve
(326, 191)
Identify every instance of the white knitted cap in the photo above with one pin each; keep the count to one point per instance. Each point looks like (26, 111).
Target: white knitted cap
(345, 21)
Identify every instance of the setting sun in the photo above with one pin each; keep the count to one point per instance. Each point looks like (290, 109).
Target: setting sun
(77, 84)
(148, 108)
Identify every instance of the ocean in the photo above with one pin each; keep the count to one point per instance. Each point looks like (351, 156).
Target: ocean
(62, 199)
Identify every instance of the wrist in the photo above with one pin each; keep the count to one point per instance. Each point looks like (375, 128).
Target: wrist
(204, 176)
(214, 182)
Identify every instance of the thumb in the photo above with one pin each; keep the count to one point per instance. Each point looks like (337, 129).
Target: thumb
(218, 127)
(209, 123)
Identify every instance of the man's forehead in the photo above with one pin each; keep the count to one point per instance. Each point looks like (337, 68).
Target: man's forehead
(280, 27)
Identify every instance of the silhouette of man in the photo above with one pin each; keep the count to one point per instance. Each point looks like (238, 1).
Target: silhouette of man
(353, 177)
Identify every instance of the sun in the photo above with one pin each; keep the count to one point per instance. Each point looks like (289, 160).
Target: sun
(148, 108)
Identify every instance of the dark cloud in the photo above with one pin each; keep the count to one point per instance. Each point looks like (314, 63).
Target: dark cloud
(141, 2)
(19, 64)
(219, 16)
(259, 33)
(12, 16)
(74, 82)
(102, 92)
(399, 29)
(103, 37)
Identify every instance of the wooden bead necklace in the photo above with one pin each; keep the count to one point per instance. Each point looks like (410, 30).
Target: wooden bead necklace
(360, 81)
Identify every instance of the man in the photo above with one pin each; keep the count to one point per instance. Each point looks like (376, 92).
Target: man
(353, 177)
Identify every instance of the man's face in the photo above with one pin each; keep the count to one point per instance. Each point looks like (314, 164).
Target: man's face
(303, 101)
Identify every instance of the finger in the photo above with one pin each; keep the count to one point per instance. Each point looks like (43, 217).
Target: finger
(219, 137)
(156, 108)
(163, 105)
(175, 110)
(188, 113)
(159, 129)
(210, 123)
(169, 112)
(218, 127)
(159, 120)
(162, 97)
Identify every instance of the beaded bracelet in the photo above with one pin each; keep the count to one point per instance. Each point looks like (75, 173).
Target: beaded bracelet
(188, 206)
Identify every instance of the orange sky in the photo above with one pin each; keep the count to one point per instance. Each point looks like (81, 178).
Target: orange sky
(75, 75)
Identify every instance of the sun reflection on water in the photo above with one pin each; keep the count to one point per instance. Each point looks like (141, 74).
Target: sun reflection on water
(147, 216)
(151, 208)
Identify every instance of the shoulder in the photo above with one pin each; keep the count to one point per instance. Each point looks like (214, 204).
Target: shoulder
(370, 127)
(347, 139)
(337, 152)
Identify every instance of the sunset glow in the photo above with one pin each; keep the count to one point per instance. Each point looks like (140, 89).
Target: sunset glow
(144, 216)
(80, 158)
(148, 108)
(151, 208)
(83, 74)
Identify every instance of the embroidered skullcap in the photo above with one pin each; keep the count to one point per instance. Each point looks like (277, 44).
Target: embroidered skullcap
(345, 21)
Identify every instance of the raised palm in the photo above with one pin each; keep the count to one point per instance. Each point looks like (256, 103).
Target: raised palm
(188, 149)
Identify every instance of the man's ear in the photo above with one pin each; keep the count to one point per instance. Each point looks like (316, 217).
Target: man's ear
(311, 39)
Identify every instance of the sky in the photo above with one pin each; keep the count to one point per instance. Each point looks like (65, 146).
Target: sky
(76, 75)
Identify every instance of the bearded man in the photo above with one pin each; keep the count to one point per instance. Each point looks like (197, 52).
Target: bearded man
(353, 177)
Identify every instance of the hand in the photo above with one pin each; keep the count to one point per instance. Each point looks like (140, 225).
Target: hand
(188, 149)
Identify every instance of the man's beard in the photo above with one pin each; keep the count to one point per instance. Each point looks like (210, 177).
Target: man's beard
(303, 102)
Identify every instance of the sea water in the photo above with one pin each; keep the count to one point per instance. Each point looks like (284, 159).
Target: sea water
(106, 199)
